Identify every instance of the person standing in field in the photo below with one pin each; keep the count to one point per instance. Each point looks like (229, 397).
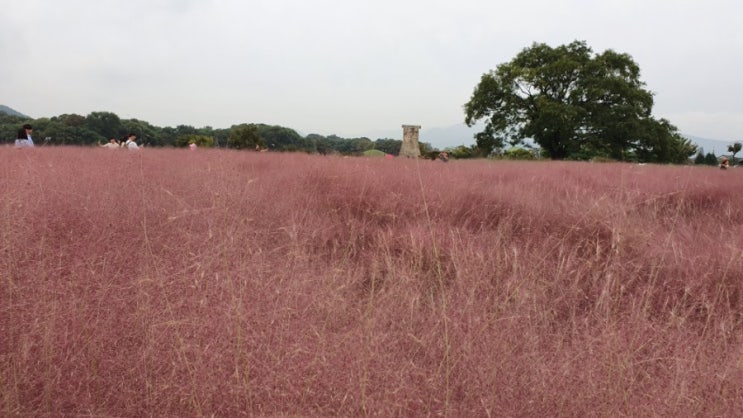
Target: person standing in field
(131, 142)
(112, 144)
(24, 139)
(724, 164)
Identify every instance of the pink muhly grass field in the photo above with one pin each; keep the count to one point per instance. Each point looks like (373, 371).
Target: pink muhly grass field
(224, 283)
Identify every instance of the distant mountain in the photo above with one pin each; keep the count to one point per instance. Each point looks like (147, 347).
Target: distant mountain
(11, 112)
(714, 146)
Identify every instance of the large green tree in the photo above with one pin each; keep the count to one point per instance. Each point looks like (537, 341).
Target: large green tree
(107, 124)
(245, 136)
(66, 129)
(574, 104)
(279, 138)
(388, 146)
(660, 142)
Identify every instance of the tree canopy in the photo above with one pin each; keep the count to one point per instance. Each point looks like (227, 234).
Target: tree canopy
(74, 129)
(575, 105)
(245, 136)
(735, 148)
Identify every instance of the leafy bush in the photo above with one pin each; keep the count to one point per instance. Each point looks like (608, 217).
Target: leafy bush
(517, 153)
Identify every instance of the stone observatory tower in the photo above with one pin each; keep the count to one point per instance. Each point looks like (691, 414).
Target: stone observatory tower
(410, 146)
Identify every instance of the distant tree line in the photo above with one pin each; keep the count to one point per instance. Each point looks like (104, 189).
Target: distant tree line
(73, 129)
(705, 159)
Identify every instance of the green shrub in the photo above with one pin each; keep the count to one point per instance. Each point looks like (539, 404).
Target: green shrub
(518, 154)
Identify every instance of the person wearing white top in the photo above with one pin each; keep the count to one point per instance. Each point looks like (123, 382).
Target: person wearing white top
(112, 144)
(23, 139)
(131, 142)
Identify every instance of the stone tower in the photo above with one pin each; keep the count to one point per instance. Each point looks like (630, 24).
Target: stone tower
(410, 146)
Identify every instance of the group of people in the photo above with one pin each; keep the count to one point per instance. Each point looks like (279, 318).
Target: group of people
(130, 143)
(24, 139)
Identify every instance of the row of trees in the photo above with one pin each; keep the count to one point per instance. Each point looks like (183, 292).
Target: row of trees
(705, 159)
(711, 159)
(73, 129)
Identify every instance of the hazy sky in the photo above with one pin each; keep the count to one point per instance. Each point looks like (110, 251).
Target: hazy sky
(349, 67)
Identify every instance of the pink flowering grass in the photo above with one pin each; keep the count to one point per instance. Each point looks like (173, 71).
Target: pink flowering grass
(223, 283)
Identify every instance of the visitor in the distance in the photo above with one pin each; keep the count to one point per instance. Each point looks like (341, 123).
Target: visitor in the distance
(724, 164)
(24, 138)
(131, 142)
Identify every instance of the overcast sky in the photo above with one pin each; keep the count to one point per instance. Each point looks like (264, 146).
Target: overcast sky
(349, 67)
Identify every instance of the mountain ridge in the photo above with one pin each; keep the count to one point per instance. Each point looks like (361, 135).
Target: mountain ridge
(12, 112)
(717, 147)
